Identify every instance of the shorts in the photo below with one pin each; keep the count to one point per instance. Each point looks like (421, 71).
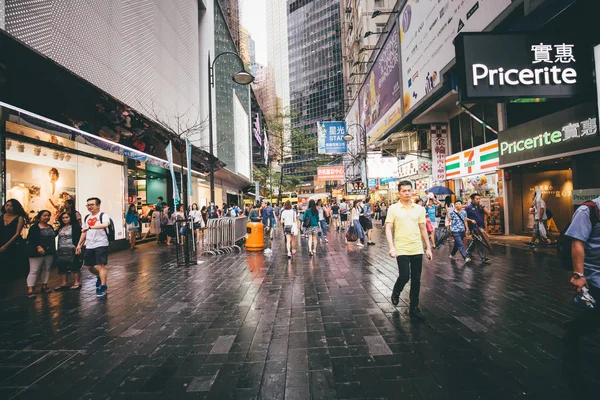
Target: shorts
(343, 217)
(133, 229)
(97, 256)
(366, 223)
(312, 230)
(536, 227)
(335, 216)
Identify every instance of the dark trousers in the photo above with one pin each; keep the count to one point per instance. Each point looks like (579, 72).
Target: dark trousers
(458, 244)
(409, 268)
(589, 321)
(475, 246)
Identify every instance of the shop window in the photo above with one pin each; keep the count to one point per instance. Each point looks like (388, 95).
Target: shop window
(465, 131)
(42, 178)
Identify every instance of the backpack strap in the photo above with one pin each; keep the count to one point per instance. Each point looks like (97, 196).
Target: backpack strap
(594, 211)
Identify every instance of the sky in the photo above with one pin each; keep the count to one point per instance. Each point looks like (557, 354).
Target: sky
(254, 19)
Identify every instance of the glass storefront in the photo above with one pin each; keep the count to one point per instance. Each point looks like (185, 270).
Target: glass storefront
(43, 176)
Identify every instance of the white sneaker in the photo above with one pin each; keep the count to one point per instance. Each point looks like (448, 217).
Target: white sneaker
(360, 244)
(467, 260)
(326, 240)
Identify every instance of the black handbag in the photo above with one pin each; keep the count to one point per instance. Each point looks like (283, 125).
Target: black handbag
(65, 255)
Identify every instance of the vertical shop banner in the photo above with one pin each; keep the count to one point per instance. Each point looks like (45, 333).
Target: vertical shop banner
(266, 149)
(188, 157)
(439, 151)
(380, 96)
(169, 151)
(427, 31)
(330, 137)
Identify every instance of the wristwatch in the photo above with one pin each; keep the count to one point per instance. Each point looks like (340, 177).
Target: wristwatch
(577, 275)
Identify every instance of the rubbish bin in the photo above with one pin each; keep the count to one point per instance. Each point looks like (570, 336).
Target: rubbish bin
(255, 236)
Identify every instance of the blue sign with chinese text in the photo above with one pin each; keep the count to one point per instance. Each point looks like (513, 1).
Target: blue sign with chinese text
(383, 181)
(330, 137)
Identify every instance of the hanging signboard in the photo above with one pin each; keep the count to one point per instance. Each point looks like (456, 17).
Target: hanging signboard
(331, 173)
(330, 137)
(524, 65)
(356, 188)
(439, 151)
(478, 160)
(382, 167)
(427, 29)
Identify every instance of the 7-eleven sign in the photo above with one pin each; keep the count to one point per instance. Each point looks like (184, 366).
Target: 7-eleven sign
(469, 157)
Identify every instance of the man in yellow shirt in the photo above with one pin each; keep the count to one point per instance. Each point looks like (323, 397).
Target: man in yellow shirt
(405, 232)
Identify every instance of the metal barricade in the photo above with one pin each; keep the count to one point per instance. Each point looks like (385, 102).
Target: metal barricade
(223, 234)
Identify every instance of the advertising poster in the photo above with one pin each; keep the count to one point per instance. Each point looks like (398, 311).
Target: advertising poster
(331, 137)
(331, 173)
(380, 96)
(356, 188)
(427, 31)
(382, 167)
(39, 187)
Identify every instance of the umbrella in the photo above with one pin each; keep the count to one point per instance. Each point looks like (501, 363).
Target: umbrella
(440, 190)
(480, 235)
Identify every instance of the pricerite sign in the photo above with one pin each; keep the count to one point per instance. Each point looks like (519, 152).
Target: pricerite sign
(565, 133)
(528, 65)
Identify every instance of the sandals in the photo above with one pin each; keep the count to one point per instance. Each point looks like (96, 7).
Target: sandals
(76, 287)
(61, 288)
(46, 289)
(31, 295)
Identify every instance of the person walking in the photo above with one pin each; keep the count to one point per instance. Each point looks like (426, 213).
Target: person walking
(343, 214)
(383, 214)
(69, 233)
(40, 240)
(181, 219)
(94, 234)
(431, 210)
(268, 219)
(154, 228)
(476, 213)
(405, 232)
(253, 214)
(290, 228)
(132, 222)
(204, 212)
(585, 256)
(540, 224)
(12, 260)
(311, 226)
(197, 220)
(170, 222)
(365, 220)
(357, 211)
(212, 211)
(69, 208)
(335, 216)
(458, 228)
(322, 220)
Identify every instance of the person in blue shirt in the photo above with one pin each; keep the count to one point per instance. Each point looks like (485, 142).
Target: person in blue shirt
(585, 254)
(476, 213)
(430, 210)
(459, 228)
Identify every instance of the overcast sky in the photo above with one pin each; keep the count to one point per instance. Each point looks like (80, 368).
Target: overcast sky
(253, 19)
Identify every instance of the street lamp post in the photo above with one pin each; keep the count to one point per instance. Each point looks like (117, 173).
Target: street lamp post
(349, 138)
(241, 78)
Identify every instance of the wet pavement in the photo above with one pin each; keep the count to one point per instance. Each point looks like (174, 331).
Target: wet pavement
(249, 326)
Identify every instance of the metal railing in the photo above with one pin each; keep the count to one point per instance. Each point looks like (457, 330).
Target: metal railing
(222, 235)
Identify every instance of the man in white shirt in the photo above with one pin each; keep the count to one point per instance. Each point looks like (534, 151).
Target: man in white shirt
(540, 224)
(94, 234)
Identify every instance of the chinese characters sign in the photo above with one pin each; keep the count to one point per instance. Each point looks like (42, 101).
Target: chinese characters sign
(571, 131)
(439, 151)
(331, 173)
(356, 188)
(530, 65)
(382, 167)
(331, 137)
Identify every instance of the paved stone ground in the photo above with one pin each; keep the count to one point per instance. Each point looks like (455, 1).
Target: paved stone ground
(250, 326)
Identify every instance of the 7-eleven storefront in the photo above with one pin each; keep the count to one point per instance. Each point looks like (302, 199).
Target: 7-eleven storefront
(476, 171)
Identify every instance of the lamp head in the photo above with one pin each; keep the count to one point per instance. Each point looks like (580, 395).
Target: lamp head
(376, 14)
(348, 137)
(243, 78)
(368, 33)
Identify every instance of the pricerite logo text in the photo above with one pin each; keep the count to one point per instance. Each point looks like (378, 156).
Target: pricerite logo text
(543, 54)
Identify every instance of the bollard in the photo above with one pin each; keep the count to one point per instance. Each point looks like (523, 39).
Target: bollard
(255, 236)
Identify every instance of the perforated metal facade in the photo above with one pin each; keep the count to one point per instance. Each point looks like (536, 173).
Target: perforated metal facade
(143, 52)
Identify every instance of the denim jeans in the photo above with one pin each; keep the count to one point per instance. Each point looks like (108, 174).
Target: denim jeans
(409, 268)
(458, 244)
(323, 224)
(358, 228)
(475, 245)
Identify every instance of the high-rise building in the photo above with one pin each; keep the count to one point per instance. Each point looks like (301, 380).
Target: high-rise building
(357, 22)
(245, 45)
(316, 80)
(231, 11)
(277, 48)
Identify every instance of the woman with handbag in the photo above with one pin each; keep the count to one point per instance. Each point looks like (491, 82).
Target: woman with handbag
(154, 223)
(290, 228)
(133, 224)
(69, 233)
(14, 220)
(197, 220)
(311, 226)
(357, 211)
(41, 252)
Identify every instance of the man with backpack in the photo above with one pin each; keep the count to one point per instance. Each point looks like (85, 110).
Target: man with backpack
(584, 232)
(97, 230)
